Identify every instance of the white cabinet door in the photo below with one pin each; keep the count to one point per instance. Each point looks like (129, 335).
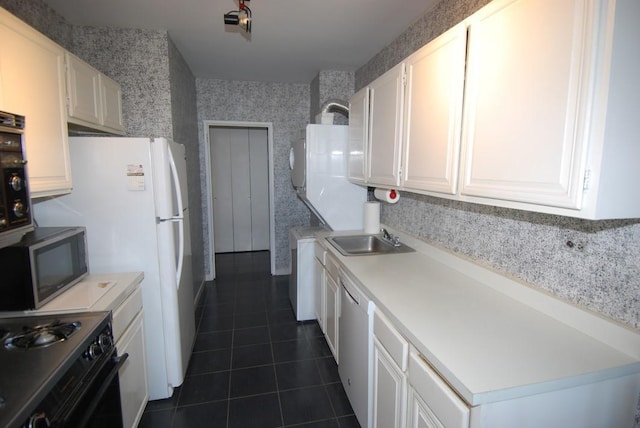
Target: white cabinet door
(319, 285)
(95, 101)
(433, 113)
(32, 84)
(386, 95)
(523, 123)
(111, 96)
(420, 415)
(83, 90)
(358, 135)
(432, 402)
(389, 390)
(332, 304)
(133, 374)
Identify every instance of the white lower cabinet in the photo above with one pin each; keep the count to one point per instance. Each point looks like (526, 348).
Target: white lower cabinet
(332, 304)
(406, 391)
(128, 332)
(319, 284)
(432, 403)
(133, 375)
(389, 390)
(390, 353)
(420, 415)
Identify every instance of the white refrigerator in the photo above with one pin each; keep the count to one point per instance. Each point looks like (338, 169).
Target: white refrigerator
(131, 195)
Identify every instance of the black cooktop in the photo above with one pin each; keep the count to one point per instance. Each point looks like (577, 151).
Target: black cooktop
(28, 373)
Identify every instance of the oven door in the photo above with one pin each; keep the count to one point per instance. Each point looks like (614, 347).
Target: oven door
(95, 404)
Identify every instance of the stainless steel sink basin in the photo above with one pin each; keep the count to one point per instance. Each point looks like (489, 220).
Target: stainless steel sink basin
(363, 245)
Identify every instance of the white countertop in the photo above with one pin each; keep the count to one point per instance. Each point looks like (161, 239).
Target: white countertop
(484, 342)
(102, 292)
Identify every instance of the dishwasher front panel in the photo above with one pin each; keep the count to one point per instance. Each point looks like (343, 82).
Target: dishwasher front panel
(355, 341)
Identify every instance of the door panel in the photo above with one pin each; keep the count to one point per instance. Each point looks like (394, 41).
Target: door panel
(240, 189)
(222, 197)
(259, 159)
(240, 163)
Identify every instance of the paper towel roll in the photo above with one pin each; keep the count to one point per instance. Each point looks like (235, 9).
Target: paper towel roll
(371, 217)
(390, 196)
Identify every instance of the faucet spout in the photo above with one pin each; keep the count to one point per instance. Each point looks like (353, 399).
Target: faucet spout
(393, 240)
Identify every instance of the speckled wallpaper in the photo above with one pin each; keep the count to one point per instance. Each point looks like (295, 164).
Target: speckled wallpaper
(40, 16)
(184, 117)
(286, 106)
(331, 85)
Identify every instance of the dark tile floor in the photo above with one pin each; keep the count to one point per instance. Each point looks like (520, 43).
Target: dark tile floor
(253, 365)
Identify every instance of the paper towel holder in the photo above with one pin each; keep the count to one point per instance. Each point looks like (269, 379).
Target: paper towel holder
(387, 195)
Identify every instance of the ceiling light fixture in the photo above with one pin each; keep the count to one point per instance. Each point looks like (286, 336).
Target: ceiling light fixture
(240, 17)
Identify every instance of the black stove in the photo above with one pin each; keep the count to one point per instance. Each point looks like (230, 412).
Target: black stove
(45, 356)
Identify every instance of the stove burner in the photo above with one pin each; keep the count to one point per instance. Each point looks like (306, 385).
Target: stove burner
(42, 335)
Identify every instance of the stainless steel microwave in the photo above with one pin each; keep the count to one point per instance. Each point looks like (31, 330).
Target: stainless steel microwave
(45, 263)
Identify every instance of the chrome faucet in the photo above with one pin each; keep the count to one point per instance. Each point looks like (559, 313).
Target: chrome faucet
(393, 240)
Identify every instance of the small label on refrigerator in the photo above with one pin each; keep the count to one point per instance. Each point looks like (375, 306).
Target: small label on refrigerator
(135, 177)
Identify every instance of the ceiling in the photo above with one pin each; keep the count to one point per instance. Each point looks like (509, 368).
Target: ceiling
(291, 40)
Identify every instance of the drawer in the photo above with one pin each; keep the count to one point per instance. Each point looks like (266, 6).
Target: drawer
(332, 267)
(320, 253)
(439, 397)
(126, 312)
(393, 342)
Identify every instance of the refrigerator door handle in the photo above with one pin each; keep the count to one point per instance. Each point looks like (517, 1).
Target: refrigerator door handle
(178, 218)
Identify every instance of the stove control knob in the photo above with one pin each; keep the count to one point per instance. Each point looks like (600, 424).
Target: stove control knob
(105, 341)
(94, 351)
(38, 420)
(16, 183)
(18, 209)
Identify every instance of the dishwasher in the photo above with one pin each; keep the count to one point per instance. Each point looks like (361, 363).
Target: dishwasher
(355, 341)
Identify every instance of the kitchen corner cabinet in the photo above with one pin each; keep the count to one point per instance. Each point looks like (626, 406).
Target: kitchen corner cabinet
(358, 135)
(32, 83)
(386, 96)
(94, 100)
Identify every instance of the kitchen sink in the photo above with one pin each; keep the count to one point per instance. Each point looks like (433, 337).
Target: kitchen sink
(363, 245)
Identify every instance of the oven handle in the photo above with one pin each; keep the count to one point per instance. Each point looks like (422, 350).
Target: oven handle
(106, 383)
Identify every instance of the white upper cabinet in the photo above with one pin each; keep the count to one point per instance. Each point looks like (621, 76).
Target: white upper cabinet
(95, 101)
(32, 83)
(551, 107)
(524, 125)
(111, 96)
(358, 135)
(433, 114)
(386, 95)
